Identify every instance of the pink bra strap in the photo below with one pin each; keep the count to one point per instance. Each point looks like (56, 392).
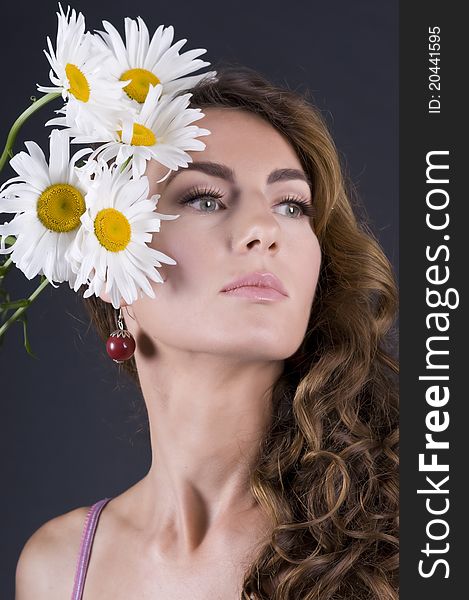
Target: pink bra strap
(85, 547)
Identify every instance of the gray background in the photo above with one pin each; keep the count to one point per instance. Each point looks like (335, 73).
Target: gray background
(68, 435)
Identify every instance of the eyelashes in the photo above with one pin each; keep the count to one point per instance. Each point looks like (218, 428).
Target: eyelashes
(198, 193)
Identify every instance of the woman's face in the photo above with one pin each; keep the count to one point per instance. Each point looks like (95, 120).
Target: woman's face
(216, 240)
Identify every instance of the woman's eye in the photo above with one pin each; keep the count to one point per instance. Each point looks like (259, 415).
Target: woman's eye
(304, 208)
(210, 201)
(291, 206)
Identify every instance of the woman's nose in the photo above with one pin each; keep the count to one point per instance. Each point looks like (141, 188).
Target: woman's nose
(255, 224)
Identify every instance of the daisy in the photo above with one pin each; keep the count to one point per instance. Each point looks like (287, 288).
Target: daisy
(142, 62)
(111, 244)
(48, 200)
(161, 131)
(79, 71)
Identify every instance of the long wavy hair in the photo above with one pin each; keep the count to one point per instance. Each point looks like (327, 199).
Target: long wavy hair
(327, 471)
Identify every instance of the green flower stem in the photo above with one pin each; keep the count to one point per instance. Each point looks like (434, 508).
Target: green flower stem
(21, 310)
(36, 105)
(5, 268)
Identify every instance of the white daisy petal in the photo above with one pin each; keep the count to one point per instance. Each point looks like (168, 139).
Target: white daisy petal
(59, 156)
(185, 83)
(143, 42)
(115, 44)
(159, 43)
(131, 39)
(138, 274)
(24, 200)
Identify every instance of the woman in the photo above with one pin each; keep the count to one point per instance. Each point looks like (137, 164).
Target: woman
(272, 414)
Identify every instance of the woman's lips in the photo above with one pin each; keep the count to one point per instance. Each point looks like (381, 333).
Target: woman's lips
(257, 279)
(256, 293)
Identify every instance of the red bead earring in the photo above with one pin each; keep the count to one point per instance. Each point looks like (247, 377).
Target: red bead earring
(120, 344)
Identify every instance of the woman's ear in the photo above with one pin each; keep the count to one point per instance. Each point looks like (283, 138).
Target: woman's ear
(107, 298)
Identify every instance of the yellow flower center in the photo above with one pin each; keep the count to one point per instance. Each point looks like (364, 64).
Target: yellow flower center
(60, 207)
(79, 86)
(141, 136)
(112, 229)
(141, 79)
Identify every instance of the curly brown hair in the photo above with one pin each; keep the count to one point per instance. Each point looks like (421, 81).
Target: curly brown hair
(327, 472)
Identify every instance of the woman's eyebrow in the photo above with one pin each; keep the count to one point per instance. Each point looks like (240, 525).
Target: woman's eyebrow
(225, 172)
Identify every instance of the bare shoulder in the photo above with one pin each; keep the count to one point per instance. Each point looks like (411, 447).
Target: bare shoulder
(46, 566)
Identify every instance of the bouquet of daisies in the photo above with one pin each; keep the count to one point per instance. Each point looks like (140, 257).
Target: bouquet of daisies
(87, 218)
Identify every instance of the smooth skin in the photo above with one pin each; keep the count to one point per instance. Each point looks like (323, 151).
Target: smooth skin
(206, 362)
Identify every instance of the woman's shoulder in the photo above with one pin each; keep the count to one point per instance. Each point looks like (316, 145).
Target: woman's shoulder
(46, 566)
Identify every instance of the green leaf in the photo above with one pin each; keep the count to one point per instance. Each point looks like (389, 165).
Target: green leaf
(24, 318)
